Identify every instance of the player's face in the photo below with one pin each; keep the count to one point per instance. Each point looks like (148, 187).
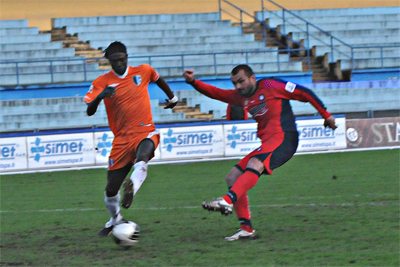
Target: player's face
(119, 62)
(244, 84)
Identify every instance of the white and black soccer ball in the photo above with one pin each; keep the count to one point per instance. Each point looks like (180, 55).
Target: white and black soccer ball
(126, 234)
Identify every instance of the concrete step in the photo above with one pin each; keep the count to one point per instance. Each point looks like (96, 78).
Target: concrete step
(79, 29)
(335, 12)
(177, 40)
(18, 31)
(17, 23)
(194, 48)
(348, 25)
(317, 20)
(34, 38)
(132, 19)
(348, 35)
(122, 36)
(30, 46)
(37, 54)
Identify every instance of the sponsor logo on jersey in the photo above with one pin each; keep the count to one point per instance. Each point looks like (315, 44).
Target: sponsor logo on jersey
(258, 110)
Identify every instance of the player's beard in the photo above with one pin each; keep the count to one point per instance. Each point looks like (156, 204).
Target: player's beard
(249, 92)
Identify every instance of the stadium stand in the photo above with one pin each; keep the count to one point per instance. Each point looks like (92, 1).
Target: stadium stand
(31, 57)
(171, 42)
(342, 39)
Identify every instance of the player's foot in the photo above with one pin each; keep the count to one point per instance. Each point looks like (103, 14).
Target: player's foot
(242, 234)
(128, 194)
(218, 204)
(108, 227)
(106, 231)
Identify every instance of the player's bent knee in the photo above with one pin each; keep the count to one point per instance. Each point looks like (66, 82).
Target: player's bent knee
(145, 150)
(256, 164)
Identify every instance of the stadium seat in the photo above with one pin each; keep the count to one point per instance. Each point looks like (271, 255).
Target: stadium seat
(359, 28)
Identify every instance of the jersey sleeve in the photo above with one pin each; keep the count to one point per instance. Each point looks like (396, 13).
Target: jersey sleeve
(227, 96)
(154, 75)
(292, 91)
(95, 89)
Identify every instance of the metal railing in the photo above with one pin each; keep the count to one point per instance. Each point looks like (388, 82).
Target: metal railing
(339, 49)
(244, 18)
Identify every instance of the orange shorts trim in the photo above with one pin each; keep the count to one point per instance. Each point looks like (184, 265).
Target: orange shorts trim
(124, 148)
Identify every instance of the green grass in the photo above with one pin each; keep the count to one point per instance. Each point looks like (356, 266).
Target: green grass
(304, 217)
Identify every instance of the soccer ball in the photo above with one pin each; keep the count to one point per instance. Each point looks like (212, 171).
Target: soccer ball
(126, 234)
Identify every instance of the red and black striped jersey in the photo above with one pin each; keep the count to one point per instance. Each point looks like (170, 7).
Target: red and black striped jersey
(269, 105)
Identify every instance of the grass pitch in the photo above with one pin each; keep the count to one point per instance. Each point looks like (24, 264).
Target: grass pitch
(337, 209)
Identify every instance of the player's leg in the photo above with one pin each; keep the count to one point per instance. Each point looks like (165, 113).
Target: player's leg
(284, 152)
(144, 152)
(242, 183)
(241, 206)
(270, 156)
(112, 198)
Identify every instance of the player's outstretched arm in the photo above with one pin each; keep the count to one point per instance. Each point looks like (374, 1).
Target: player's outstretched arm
(227, 96)
(172, 99)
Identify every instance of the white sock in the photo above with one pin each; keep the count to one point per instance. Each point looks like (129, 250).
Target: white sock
(112, 205)
(138, 175)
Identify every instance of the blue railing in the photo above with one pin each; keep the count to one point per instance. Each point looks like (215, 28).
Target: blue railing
(339, 49)
(43, 71)
(243, 17)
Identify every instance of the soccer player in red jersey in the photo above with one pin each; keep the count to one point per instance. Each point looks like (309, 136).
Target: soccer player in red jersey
(267, 100)
(124, 90)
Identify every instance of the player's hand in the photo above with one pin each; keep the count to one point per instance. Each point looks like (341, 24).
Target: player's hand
(109, 91)
(330, 122)
(171, 103)
(189, 76)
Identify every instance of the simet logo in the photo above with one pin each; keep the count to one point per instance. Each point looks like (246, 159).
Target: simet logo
(186, 139)
(8, 151)
(315, 132)
(41, 148)
(104, 144)
(236, 136)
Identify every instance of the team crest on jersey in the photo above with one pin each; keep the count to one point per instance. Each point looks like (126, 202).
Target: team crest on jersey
(137, 79)
(290, 87)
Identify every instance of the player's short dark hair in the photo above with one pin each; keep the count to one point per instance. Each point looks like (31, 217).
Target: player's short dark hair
(114, 47)
(249, 71)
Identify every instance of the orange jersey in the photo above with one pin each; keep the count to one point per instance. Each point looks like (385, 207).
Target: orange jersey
(128, 110)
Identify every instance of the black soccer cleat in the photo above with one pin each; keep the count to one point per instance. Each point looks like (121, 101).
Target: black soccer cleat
(106, 231)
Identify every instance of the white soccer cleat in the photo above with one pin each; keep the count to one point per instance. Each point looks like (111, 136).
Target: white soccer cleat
(218, 204)
(241, 234)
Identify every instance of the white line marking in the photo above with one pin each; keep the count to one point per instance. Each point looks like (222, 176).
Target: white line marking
(194, 160)
(285, 205)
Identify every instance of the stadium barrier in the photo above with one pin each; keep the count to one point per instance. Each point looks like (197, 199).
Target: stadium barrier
(189, 141)
(91, 147)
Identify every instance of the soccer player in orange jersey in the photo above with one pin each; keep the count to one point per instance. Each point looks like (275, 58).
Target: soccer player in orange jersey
(124, 90)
